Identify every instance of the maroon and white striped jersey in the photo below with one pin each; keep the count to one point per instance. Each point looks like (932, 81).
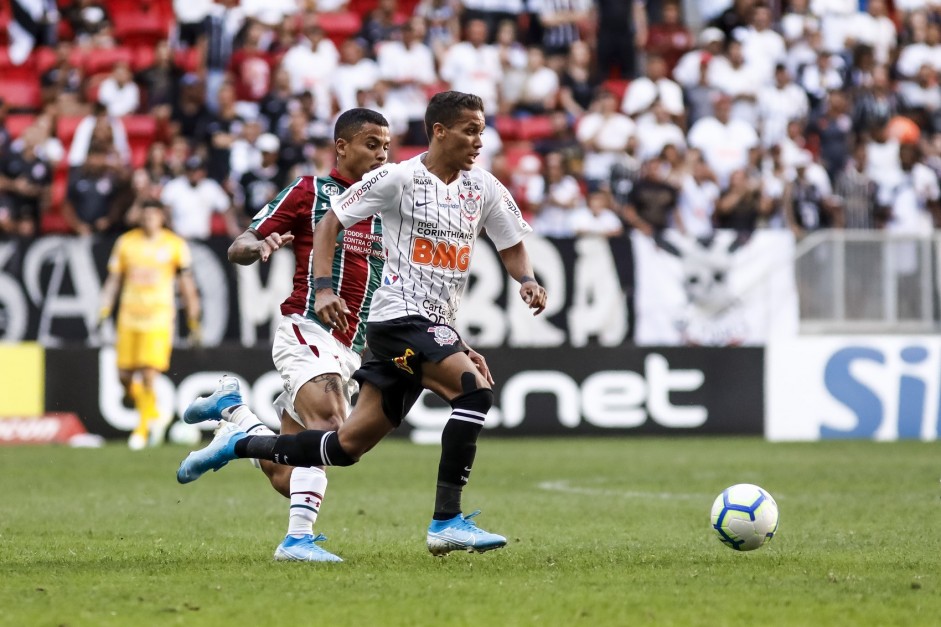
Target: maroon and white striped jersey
(429, 230)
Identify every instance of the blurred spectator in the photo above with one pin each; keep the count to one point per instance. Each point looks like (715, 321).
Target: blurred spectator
(49, 147)
(921, 51)
(689, 70)
(561, 140)
(857, 193)
(62, 83)
(578, 81)
(528, 185)
(652, 202)
(882, 155)
(190, 15)
(274, 106)
(91, 24)
(473, 66)
(622, 28)
(875, 28)
(384, 23)
(797, 21)
(295, 145)
(491, 13)
(921, 97)
(216, 44)
(560, 21)
(808, 198)
(734, 18)
(731, 75)
(740, 206)
(657, 131)
(836, 22)
(833, 129)
(624, 173)
(697, 200)
(269, 12)
(724, 142)
(911, 197)
(190, 117)
(597, 218)
(93, 200)
(221, 131)
(245, 154)
(310, 64)
(157, 165)
(553, 216)
(441, 18)
(193, 198)
(778, 104)
(603, 133)
(261, 182)
(103, 128)
(24, 183)
(119, 93)
(161, 81)
(874, 105)
(670, 39)
(354, 73)
(251, 68)
(33, 24)
(643, 93)
(824, 76)
(540, 87)
(409, 68)
(761, 45)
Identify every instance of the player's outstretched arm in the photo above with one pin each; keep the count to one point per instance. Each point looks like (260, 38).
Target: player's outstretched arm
(109, 293)
(249, 248)
(329, 307)
(516, 261)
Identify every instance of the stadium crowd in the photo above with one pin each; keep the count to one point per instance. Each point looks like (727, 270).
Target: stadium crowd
(604, 115)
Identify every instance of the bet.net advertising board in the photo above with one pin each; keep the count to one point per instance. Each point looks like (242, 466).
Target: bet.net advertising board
(854, 387)
(552, 391)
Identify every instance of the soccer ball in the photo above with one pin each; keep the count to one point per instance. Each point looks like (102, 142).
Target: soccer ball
(745, 517)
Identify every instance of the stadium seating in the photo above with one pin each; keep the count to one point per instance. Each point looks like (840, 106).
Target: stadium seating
(141, 22)
(103, 60)
(141, 130)
(507, 127)
(616, 86)
(21, 94)
(340, 26)
(534, 127)
(16, 124)
(65, 129)
(53, 220)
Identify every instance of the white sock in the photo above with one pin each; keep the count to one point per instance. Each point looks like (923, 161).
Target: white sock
(307, 489)
(248, 421)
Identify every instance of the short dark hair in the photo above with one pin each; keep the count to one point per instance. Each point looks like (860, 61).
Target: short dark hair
(152, 203)
(350, 122)
(446, 108)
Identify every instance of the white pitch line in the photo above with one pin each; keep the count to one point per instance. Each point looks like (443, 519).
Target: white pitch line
(566, 486)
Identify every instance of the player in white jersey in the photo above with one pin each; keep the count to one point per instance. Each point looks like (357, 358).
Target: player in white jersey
(433, 209)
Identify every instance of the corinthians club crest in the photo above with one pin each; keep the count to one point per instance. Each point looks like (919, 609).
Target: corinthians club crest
(470, 205)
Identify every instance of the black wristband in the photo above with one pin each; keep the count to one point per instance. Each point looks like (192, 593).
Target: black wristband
(323, 283)
(526, 279)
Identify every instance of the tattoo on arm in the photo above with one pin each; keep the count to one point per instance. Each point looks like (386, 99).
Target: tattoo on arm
(331, 383)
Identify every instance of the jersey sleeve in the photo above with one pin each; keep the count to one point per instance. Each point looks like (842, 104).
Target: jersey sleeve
(382, 189)
(502, 218)
(279, 215)
(116, 263)
(184, 259)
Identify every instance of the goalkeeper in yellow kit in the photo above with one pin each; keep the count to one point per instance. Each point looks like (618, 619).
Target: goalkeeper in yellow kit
(143, 265)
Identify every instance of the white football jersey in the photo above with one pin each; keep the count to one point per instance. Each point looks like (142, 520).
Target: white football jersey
(429, 230)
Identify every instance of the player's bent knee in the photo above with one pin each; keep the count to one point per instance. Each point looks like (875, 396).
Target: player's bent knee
(477, 403)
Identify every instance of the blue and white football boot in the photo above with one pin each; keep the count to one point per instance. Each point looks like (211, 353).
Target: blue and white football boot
(217, 453)
(461, 534)
(303, 549)
(215, 406)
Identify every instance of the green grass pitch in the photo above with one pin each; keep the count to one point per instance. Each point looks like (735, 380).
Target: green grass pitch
(610, 531)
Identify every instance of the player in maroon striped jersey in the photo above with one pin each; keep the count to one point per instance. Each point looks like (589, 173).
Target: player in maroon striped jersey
(315, 360)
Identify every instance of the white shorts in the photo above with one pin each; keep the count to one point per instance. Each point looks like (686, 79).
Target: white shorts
(303, 350)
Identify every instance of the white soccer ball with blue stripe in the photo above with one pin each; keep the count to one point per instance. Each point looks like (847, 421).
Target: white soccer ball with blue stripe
(745, 517)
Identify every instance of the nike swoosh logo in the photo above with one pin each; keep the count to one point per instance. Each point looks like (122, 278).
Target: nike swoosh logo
(422, 204)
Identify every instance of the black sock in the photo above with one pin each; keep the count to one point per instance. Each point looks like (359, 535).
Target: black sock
(458, 449)
(307, 448)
